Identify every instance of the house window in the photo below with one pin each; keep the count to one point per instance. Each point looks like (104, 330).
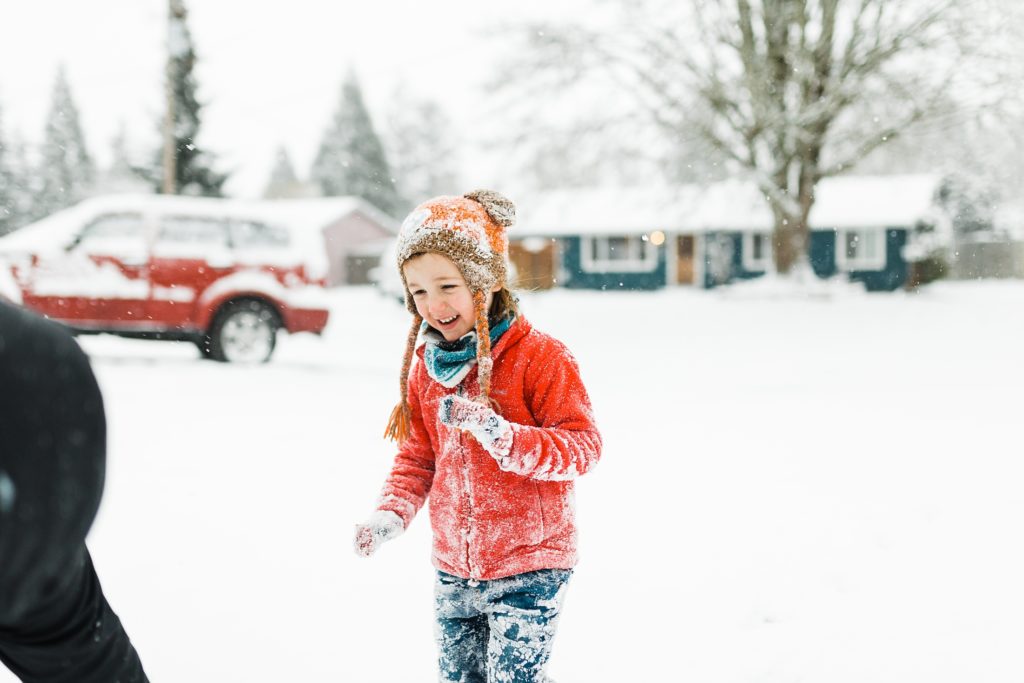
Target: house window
(618, 254)
(757, 251)
(860, 249)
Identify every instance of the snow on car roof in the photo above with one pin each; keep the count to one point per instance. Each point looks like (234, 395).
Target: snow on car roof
(304, 219)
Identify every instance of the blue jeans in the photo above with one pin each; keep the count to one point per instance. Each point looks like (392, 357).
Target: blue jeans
(497, 631)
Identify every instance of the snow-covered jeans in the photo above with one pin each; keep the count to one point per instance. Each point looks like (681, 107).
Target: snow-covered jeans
(497, 631)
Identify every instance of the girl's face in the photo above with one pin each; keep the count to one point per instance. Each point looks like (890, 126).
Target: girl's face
(441, 294)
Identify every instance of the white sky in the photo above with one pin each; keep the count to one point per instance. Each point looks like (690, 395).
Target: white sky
(269, 73)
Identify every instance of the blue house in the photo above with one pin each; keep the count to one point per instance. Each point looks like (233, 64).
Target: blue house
(710, 235)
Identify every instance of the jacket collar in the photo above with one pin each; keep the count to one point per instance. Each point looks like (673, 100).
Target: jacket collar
(520, 328)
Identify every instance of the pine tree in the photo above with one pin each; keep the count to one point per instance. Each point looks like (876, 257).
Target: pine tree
(351, 159)
(421, 144)
(193, 168)
(120, 162)
(283, 181)
(122, 175)
(26, 186)
(9, 218)
(970, 201)
(66, 170)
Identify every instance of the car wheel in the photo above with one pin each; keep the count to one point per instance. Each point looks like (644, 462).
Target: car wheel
(244, 332)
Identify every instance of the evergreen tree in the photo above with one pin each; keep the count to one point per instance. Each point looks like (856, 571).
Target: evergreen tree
(120, 162)
(351, 159)
(66, 170)
(970, 201)
(283, 181)
(193, 168)
(26, 186)
(9, 218)
(423, 149)
(122, 175)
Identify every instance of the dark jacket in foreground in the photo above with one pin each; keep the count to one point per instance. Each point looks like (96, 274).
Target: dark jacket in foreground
(55, 623)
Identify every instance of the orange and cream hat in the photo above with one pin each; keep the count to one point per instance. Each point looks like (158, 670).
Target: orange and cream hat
(471, 231)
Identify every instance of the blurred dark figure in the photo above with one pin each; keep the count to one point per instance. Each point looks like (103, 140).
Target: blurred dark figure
(55, 623)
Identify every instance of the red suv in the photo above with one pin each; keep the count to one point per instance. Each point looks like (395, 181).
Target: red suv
(204, 270)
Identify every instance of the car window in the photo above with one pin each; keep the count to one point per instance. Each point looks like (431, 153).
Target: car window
(193, 230)
(253, 234)
(112, 230)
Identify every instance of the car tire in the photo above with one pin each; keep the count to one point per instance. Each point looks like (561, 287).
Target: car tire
(243, 331)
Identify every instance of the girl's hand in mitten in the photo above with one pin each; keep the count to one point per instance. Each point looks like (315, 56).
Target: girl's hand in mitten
(492, 430)
(383, 526)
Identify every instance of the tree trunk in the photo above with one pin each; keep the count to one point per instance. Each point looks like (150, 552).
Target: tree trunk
(789, 240)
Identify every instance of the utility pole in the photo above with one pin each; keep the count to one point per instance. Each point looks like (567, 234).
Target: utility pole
(175, 45)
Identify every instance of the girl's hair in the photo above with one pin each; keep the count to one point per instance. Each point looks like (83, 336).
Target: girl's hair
(503, 305)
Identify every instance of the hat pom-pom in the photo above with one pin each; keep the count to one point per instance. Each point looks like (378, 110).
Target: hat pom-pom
(499, 207)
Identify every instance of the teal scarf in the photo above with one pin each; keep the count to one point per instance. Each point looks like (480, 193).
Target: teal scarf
(448, 363)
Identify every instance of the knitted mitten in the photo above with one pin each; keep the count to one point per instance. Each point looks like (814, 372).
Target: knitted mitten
(492, 430)
(382, 526)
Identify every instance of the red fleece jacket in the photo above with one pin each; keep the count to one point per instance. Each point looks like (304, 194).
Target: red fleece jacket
(489, 523)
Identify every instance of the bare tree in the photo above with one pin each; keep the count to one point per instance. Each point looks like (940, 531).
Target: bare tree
(422, 147)
(790, 91)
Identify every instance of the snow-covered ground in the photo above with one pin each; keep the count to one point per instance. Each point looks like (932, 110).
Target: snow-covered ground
(820, 489)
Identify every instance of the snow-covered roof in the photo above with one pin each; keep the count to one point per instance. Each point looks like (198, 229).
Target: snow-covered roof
(873, 201)
(304, 219)
(733, 205)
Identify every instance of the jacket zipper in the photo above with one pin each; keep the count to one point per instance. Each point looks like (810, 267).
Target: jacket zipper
(468, 531)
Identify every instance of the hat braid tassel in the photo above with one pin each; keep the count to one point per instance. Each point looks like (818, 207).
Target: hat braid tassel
(483, 347)
(400, 422)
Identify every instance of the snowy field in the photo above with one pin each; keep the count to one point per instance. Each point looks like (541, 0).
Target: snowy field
(793, 489)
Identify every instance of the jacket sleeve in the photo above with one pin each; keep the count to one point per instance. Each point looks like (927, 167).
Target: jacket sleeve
(407, 486)
(565, 443)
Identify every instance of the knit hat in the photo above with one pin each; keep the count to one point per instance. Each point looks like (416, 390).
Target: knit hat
(471, 231)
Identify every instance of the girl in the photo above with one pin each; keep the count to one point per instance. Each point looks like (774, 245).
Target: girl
(493, 424)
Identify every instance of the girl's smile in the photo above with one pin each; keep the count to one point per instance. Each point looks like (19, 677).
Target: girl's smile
(441, 294)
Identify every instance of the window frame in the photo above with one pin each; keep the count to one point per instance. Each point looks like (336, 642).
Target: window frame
(280, 237)
(595, 256)
(750, 264)
(164, 221)
(874, 262)
(88, 231)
